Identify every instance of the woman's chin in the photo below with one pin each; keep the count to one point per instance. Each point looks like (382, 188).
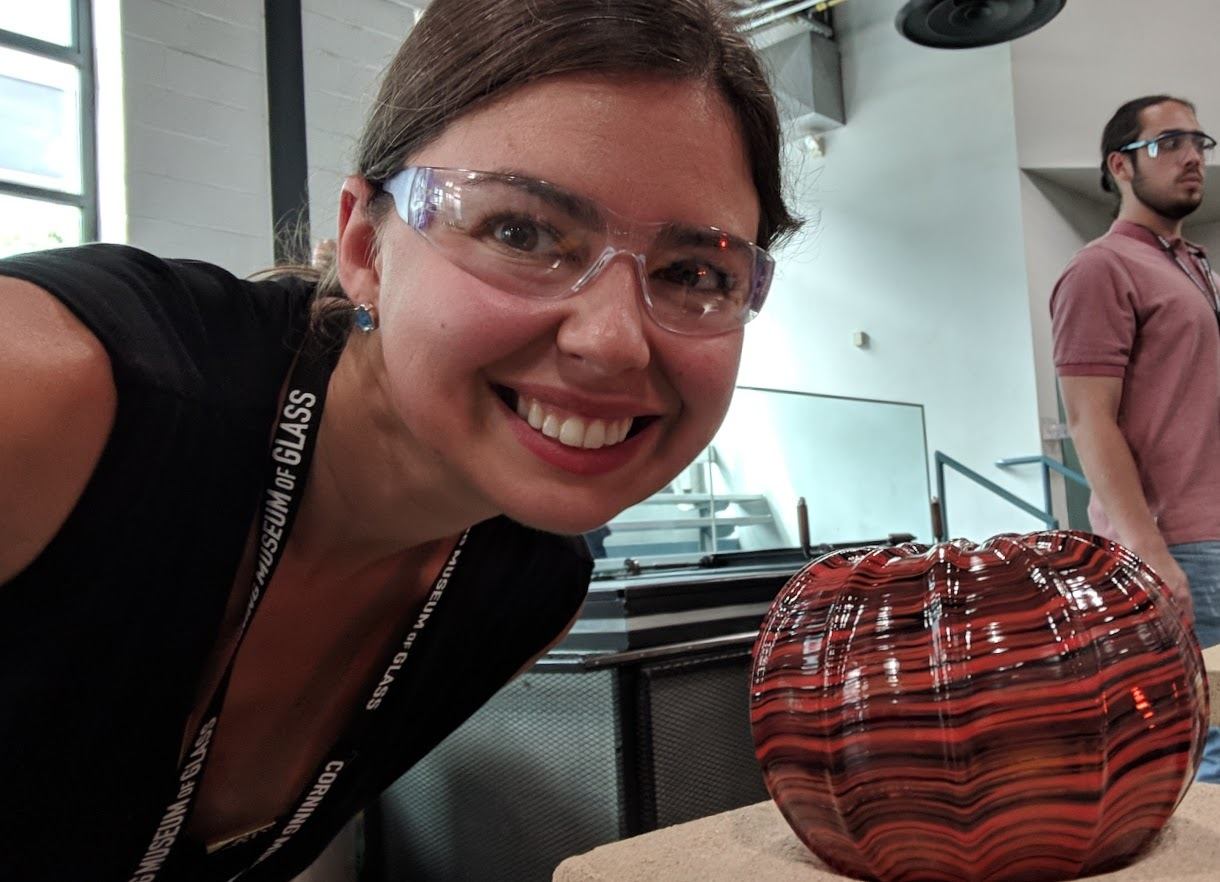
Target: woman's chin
(580, 504)
(572, 516)
(565, 525)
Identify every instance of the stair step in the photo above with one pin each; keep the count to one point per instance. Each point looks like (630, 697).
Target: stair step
(689, 523)
(679, 498)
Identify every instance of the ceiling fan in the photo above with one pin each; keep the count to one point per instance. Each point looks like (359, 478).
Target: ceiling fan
(941, 24)
(966, 24)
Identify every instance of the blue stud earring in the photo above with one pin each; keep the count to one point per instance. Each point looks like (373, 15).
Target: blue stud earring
(366, 318)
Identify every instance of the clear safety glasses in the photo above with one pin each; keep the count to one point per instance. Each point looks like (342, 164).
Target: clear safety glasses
(534, 239)
(1172, 143)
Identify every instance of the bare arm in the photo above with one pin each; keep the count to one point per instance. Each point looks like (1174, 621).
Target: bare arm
(57, 405)
(1092, 413)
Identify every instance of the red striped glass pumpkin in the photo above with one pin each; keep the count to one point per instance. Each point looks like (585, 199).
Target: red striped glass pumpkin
(1032, 708)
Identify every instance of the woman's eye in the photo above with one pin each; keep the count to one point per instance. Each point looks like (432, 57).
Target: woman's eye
(695, 276)
(518, 234)
(521, 235)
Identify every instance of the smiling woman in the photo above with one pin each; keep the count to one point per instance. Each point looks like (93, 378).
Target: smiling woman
(265, 544)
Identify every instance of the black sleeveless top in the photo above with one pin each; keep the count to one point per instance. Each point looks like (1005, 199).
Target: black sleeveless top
(104, 636)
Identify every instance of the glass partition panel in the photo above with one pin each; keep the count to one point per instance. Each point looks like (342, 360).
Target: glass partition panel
(49, 20)
(860, 465)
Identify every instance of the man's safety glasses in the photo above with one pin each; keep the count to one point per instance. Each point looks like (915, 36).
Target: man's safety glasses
(534, 239)
(1171, 143)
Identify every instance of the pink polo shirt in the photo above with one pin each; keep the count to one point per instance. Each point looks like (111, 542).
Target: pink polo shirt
(1123, 308)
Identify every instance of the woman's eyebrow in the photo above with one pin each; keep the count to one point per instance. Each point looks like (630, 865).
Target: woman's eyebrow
(679, 234)
(576, 207)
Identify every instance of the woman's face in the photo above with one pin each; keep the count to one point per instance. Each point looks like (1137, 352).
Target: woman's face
(462, 358)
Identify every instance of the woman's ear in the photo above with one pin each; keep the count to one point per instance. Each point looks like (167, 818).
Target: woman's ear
(356, 252)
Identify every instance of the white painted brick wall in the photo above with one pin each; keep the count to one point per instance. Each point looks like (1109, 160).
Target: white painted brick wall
(195, 96)
(240, 12)
(347, 44)
(195, 93)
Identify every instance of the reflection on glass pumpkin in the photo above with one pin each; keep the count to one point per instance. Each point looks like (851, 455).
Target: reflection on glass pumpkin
(1032, 708)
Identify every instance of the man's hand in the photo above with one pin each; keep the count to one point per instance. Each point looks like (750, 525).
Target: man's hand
(1163, 564)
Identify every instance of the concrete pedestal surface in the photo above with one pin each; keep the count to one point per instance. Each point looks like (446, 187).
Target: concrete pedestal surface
(755, 844)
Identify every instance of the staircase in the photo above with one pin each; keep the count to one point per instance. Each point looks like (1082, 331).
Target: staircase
(689, 519)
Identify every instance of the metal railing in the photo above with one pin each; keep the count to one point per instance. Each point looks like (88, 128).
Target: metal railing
(940, 510)
(1048, 465)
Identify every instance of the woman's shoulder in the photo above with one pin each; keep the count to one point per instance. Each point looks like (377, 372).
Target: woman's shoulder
(57, 406)
(189, 326)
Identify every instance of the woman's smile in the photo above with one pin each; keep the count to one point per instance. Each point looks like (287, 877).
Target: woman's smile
(584, 438)
(570, 429)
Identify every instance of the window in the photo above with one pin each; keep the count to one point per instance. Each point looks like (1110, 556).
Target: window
(48, 170)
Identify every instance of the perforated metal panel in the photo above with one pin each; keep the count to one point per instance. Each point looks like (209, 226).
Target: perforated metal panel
(563, 761)
(530, 779)
(698, 727)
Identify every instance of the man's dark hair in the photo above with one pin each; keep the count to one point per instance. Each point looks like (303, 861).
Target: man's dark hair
(1124, 127)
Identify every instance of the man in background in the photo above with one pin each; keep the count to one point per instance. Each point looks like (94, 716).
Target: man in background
(1136, 324)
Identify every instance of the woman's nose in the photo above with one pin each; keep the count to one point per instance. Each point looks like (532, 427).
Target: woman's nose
(604, 326)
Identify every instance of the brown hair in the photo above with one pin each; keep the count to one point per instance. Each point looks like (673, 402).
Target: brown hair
(463, 54)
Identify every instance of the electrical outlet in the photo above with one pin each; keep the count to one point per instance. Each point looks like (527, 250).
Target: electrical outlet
(1053, 430)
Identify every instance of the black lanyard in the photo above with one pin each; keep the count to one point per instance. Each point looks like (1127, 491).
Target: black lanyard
(1210, 291)
(292, 449)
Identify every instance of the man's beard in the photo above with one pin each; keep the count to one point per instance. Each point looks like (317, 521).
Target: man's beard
(1165, 206)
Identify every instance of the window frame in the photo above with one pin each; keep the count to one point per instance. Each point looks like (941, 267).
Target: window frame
(80, 55)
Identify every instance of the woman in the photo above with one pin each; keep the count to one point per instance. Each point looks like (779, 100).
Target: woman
(216, 649)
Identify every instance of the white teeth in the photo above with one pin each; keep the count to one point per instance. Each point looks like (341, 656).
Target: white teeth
(572, 430)
(595, 435)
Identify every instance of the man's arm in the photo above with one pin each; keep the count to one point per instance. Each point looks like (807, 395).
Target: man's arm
(1092, 413)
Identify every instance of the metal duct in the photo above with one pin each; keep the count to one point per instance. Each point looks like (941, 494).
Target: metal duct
(797, 46)
(756, 16)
